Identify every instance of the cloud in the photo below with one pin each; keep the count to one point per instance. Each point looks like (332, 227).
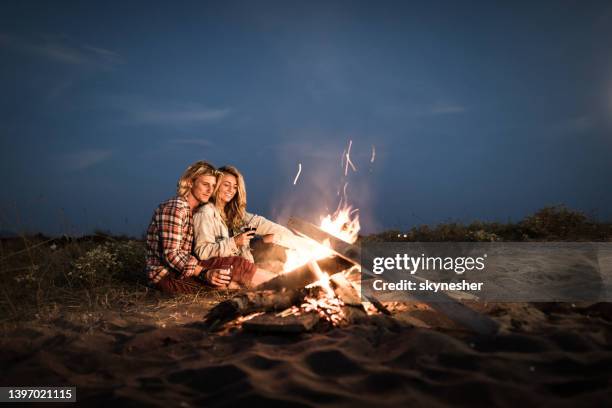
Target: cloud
(193, 141)
(62, 50)
(178, 116)
(581, 124)
(304, 150)
(420, 109)
(86, 158)
(139, 110)
(444, 109)
(577, 124)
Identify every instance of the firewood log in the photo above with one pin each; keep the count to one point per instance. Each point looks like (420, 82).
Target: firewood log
(250, 302)
(303, 275)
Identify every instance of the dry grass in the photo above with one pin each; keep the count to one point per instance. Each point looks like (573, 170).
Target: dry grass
(80, 280)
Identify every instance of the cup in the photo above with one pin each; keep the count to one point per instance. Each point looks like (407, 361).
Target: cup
(250, 231)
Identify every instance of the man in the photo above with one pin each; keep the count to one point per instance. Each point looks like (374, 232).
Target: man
(170, 265)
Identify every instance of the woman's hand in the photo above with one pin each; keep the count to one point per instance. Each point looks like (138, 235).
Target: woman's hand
(219, 277)
(269, 238)
(243, 239)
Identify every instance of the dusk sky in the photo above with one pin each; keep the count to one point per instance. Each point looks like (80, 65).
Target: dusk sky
(476, 110)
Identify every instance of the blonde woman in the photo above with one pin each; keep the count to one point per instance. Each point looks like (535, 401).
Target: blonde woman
(224, 228)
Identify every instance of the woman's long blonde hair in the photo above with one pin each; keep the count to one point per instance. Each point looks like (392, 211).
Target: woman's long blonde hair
(197, 169)
(235, 210)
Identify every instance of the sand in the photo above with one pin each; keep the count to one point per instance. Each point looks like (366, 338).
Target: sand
(545, 355)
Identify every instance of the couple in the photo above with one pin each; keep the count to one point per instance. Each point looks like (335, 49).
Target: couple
(192, 243)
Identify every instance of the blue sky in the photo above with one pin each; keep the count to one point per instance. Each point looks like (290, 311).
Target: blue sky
(477, 110)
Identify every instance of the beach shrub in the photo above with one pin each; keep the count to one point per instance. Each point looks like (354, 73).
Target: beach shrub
(97, 265)
(482, 236)
(131, 256)
(29, 275)
(109, 261)
(555, 222)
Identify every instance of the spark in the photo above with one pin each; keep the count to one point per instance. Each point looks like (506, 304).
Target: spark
(343, 199)
(348, 159)
(373, 154)
(298, 173)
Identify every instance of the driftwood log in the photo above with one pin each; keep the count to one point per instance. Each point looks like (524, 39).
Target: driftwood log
(443, 303)
(251, 302)
(270, 323)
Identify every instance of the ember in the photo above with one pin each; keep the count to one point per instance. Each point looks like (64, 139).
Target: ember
(297, 176)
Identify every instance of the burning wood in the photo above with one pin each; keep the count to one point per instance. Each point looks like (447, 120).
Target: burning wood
(349, 252)
(304, 275)
(345, 291)
(333, 300)
(339, 308)
(343, 249)
(352, 308)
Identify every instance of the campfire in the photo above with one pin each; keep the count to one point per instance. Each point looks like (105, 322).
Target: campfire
(319, 286)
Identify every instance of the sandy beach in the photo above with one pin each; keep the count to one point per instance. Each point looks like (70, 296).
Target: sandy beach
(545, 355)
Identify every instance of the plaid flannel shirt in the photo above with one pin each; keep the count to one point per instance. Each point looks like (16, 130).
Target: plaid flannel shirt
(170, 241)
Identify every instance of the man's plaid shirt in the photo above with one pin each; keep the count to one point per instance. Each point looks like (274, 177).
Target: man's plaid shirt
(170, 241)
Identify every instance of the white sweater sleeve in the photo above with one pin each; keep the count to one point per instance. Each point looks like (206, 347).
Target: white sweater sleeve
(282, 236)
(208, 242)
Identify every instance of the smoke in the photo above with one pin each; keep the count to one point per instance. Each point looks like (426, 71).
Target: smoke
(322, 185)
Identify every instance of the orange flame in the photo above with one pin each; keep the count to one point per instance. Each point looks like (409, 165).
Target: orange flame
(343, 224)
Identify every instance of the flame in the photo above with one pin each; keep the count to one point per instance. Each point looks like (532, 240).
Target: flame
(323, 280)
(343, 224)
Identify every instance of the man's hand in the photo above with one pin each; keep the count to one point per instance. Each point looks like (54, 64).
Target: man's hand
(218, 277)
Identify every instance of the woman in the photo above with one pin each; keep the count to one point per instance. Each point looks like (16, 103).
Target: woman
(221, 226)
